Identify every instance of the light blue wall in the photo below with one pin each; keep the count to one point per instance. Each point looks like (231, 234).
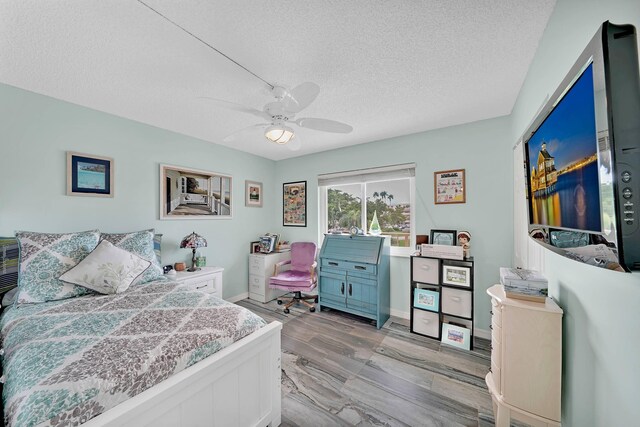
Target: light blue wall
(35, 133)
(477, 147)
(601, 327)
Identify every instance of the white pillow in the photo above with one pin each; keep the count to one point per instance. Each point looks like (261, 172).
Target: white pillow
(107, 270)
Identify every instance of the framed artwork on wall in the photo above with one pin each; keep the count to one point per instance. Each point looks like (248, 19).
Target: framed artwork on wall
(253, 194)
(449, 187)
(194, 194)
(294, 204)
(89, 175)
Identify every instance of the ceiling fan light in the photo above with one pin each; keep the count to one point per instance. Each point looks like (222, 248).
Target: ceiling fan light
(279, 134)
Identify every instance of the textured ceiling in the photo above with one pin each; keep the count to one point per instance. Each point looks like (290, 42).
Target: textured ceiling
(387, 68)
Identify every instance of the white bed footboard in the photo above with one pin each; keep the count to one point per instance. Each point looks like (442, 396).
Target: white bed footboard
(237, 386)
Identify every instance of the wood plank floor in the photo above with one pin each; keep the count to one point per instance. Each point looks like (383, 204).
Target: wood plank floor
(339, 370)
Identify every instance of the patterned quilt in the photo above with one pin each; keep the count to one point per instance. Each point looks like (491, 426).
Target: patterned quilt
(67, 361)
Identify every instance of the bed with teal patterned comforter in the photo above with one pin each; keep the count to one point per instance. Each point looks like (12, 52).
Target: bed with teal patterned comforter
(68, 361)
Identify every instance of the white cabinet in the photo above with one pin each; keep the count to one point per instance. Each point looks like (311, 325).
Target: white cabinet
(207, 279)
(261, 268)
(526, 360)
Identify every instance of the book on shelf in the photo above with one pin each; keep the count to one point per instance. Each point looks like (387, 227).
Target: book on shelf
(526, 293)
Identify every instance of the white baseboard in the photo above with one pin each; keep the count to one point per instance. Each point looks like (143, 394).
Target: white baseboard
(482, 333)
(399, 313)
(239, 297)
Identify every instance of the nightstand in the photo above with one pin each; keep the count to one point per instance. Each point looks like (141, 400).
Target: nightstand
(207, 279)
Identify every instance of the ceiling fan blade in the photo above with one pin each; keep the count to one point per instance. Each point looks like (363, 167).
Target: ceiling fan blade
(255, 132)
(324, 125)
(294, 144)
(299, 98)
(236, 107)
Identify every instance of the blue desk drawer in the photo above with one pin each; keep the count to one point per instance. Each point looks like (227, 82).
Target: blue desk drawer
(349, 266)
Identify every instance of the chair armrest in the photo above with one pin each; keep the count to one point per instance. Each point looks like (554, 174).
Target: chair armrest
(278, 265)
(313, 271)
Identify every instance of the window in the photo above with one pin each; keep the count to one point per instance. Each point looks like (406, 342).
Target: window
(353, 198)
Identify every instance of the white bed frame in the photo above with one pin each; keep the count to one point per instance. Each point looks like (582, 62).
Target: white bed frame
(237, 386)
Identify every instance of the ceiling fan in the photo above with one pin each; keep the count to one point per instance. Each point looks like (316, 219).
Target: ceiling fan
(280, 116)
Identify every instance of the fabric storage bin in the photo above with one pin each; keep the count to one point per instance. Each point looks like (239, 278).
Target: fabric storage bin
(456, 302)
(426, 270)
(426, 323)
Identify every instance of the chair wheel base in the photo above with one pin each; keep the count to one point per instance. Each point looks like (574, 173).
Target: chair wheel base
(286, 311)
(279, 302)
(312, 309)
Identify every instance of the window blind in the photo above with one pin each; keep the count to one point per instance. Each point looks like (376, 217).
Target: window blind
(406, 170)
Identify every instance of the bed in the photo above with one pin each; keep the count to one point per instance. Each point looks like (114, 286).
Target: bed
(157, 354)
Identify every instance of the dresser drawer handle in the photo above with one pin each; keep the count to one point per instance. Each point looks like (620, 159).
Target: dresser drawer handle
(455, 298)
(342, 288)
(491, 327)
(491, 312)
(359, 267)
(490, 370)
(425, 267)
(426, 320)
(200, 287)
(350, 290)
(335, 264)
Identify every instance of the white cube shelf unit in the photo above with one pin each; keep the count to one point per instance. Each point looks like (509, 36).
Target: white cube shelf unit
(445, 295)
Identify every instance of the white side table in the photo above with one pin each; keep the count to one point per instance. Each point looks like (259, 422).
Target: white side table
(207, 279)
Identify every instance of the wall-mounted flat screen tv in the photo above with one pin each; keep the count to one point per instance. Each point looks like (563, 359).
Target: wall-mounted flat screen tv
(562, 161)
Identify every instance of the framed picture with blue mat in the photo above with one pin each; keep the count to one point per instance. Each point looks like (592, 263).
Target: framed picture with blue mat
(426, 299)
(89, 175)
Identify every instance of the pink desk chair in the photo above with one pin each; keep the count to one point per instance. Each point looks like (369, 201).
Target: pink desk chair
(301, 277)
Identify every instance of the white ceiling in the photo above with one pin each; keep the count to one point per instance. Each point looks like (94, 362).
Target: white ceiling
(387, 68)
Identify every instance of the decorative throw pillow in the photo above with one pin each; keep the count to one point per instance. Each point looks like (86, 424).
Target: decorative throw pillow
(157, 246)
(141, 244)
(107, 270)
(44, 257)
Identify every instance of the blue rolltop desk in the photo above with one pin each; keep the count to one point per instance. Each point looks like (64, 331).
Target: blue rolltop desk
(354, 276)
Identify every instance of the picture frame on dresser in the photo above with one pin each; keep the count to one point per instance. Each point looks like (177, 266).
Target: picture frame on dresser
(456, 275)
(444, 237)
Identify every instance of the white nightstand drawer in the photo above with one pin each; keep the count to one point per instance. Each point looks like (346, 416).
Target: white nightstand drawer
(256, 284)
(456, 302)
(207, 279)
(201, 285)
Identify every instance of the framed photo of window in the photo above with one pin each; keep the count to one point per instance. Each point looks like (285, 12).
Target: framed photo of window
(456, 276)
(294, 204)
(443, 237)
(449, 187)
(89, 175)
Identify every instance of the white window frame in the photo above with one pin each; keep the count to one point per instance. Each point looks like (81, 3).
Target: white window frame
(362, 177)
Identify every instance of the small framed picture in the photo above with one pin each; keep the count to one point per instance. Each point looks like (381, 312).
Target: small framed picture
(444, 237)
(89, 175)
(253, 194)
(448, 187)
(456, 336)
(455, 275)
(255, 247)
(427, 299)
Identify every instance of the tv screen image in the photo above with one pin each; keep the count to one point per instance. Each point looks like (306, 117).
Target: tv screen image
(562, 162)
